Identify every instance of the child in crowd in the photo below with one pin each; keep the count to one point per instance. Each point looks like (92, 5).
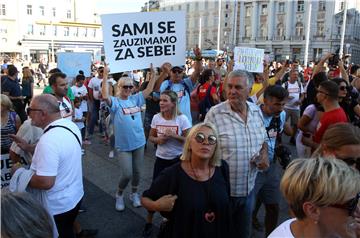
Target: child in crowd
(79, 119)
(81, 93)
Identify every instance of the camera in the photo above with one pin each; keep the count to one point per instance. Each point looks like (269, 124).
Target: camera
(283, 155)
(334, 60)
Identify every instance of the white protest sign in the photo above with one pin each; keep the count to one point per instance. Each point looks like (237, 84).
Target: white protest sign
(134, 40)
(250, 59)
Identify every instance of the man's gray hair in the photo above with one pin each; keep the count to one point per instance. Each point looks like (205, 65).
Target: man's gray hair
(20, 212)
(48, 103)
(243, 74)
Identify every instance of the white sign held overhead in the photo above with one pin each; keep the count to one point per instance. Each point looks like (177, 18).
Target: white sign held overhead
(134, 40)
(250, 59)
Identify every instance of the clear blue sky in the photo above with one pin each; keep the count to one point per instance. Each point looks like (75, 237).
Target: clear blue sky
(119, 6)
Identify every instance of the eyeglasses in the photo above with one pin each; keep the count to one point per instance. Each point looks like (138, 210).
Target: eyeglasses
(200, 138)
(342, 88)
(350, 205)
(127, 87)
(67, 109)
(29, 110)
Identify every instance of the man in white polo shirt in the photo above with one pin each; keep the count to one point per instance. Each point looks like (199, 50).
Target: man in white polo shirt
(57, 162)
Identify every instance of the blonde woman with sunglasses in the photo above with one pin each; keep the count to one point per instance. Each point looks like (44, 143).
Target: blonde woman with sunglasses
(194, 195)
(128, 132)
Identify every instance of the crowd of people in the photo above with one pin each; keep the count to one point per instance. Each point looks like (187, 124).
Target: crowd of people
(220, 154)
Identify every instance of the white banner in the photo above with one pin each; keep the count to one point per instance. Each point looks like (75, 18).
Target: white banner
(250, 59)
(134, 40)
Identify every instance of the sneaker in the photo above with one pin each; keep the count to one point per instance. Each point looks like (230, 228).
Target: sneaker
(119, 205)
(111, 154)
(86, 142)
(135, 198)
(147, 230)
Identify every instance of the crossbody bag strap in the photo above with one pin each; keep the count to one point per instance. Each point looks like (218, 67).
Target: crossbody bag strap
(51, 127)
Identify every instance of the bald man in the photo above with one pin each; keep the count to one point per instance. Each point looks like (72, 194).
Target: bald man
(57, 162)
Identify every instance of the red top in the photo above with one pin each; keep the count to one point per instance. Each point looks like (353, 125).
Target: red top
(329, 118)
(203, 89)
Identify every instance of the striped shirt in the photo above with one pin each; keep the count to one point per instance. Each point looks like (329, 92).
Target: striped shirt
(9, 128)
(239, 142)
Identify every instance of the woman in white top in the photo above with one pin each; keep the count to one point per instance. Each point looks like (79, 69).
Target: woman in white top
(168, 130)
(323, 194)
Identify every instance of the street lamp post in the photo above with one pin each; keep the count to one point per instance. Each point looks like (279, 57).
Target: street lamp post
(52, 43)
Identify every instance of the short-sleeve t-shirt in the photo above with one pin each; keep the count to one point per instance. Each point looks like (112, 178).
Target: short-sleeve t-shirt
(66, 109)
(203, 90)
(272, 131)
(94, 84)
(128, 126)
(283, 230)
(329, 118)
(79, 115)
(172, 148)
(311, 112)
(294, 92)
(80, 92)
(183, 95)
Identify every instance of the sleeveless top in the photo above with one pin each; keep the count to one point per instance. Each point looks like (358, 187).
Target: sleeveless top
(9, 128)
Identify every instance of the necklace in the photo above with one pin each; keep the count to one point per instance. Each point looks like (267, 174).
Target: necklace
(209, 216)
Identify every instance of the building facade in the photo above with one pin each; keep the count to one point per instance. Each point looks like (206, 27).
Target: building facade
(279, 27)
(34, 30)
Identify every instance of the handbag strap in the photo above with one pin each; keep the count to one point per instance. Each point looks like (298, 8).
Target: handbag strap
(51, 127)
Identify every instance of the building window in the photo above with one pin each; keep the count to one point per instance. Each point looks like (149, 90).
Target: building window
(280, 30)
(29, 9)
(171, 8)
(227, 6)
(225, 24)
(42, 10)
(247, 31)
(196, 23)
(55, 30)
(216, 21)
(205, 21)
(342, 5)
(30, 30)
(299, 29)
(206, 5)
(2, 9)
(263, 30)
(187, 7)
(3, 30)
(68, 14)
(322, 6)
(317, 53)
(196, 6)
(54, 12)
(66, 31)
(94, 33)
(248, 11)
(85, 32)
(226, 15)
(320, 28)
(300, 6)
(42, 30)
(281, 7)
(76, 32)
(179, 7)
(264, 9)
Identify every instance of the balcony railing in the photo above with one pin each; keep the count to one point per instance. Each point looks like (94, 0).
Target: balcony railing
(246, 38)
(261, 38)
(279, 38)
(297, 38)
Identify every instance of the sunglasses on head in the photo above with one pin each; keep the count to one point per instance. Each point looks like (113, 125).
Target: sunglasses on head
(350, 205)
(128, 87)
(67, 109)
(200, 138)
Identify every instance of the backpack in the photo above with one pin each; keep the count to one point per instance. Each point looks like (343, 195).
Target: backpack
(205, 104)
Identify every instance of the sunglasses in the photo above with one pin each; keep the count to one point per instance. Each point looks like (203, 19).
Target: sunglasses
(350, 205)
(29, 110)
(67, 109)
(177, 71)
(342, 88)
(127, 87)
(200, 138)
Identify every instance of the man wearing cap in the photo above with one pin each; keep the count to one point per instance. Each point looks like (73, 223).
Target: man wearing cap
(10, 86)
(182, 86)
